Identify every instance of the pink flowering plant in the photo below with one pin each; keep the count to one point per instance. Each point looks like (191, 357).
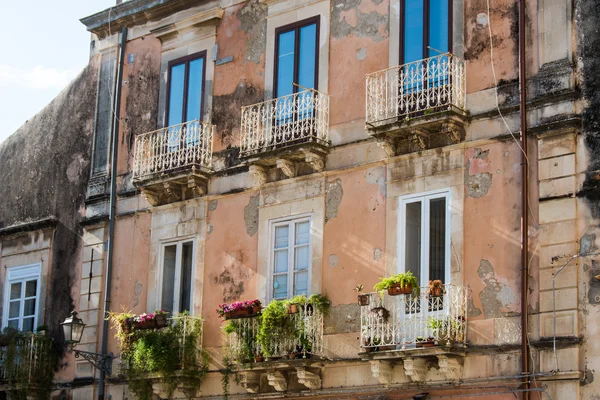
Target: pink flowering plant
(144, 317)
(224, 309)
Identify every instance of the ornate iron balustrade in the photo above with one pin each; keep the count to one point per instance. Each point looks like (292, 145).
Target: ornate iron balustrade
(308, 335)
(297, 118)
(417, 88)
(402, 320)
(187, 145)
(27, 358)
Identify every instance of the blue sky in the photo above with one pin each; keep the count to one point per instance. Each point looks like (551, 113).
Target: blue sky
(44, 47)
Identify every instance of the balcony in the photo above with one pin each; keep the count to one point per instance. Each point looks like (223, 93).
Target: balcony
(419, 105)
(27, 363)
(288, 133)
(165, 359)
(294, 350)
(173, 163)
(414, 329)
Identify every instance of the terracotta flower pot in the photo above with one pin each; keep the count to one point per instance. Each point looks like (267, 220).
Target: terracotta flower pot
(363, 300)
(240, 313)
(396, 290)
(292, 308)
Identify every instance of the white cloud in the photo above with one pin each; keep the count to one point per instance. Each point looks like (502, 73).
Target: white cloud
(37, 77)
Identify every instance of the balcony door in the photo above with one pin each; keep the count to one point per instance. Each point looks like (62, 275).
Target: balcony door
(296, 60)
(184, 101)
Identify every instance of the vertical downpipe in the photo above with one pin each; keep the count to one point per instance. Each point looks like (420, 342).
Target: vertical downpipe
(524, 204)
(113, 204)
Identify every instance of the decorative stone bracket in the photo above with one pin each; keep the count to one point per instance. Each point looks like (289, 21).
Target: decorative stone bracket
(278, 380)
(309, 379)
(308, 376)
(415, 369)
(450, 366)
(250, 380)
(163, 192)
(383, 371)
(289, 166)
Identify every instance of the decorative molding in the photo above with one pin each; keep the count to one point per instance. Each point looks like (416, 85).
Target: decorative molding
(197, 185)
(277, 380)
(415, 368)
(171, 193)
(287, 167)
(151, 197)
(382, 371)
(250, 380)
(453, 130)
(418, 139)
(388, 146)
(450, 366)
(316, 161)
(168, 31)
(311, 380)
(260, 174)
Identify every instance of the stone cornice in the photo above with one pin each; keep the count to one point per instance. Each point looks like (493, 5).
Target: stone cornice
(29, 226)
(165, 32)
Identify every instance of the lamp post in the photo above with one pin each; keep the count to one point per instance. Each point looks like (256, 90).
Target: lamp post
(73, 330)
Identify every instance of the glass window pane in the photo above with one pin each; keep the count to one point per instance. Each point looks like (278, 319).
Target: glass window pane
(29, 308)
(13, 324)
(438, 26)
(437, 239)
(14, 309)
(194, 101)
(413, 30)
(27, 324)
(307, 59)
(412, 240)
(302, 232)
(168, 283)
(281, 261)
(176, 94)
(285, 63)
(301, 258)
(301, 283)
(185, 289)
(281, 237)
(280, 286)
(15, 290)
(30, 288)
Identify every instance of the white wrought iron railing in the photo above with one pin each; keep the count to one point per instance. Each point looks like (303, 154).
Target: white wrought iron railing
(26, 358)
(417, 88)
(173, 148)
(297, 118)
(405, 321)
(306, 340)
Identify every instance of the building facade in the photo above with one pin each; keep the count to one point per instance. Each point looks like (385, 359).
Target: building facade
(224, 151)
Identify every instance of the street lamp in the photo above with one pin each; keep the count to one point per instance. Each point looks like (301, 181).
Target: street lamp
(73, 330)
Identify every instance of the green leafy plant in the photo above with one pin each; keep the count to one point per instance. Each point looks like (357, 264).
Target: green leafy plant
(275, 325)
(172, 353)
(403, 279)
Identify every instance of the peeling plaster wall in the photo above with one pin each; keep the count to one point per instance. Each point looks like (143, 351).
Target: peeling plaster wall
(353, 236)
(229, 261)
(45, 168)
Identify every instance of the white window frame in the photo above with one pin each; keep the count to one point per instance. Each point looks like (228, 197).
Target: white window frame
(290, 221)
(176, 290)
(424, 199)
(22, 273)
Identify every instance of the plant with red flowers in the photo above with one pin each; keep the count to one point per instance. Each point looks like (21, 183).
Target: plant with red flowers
(239, 309)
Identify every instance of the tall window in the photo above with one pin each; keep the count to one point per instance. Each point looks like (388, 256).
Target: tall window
(177, 265)
(290, 257)
(425, 236)
(425, 29)
(185, 89)
(104, 113)
(21, 297)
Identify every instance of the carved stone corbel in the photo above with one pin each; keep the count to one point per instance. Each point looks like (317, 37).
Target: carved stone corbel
(382, 371)
(418, 139)
(287, 167)
(311, 380)
(415, 368)
(450, 366)
(171, 193)
(197, 186)
(260, 174)
(316, 161)
(161, 389)
(250, 380)
(277, 380)
(151, 197)
(453, 130)
(388, 146)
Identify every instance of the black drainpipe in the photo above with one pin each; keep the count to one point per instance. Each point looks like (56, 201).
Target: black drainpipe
(113, 206)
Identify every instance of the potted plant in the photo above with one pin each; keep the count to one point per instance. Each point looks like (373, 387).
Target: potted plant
(439, 328)
(381, 313)
(436, 288)
(275, 326)
(160, 317)
(363, 299)
(41, 330)
(294, 303)
(402, 283)
(123, 321)
(422, 342)
(144, 321)
(319, 301)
